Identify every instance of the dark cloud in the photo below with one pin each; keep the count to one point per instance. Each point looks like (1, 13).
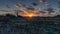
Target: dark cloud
(59, 1)
(7, 6)
(30, 8)
(22, 4)
(18, 5)
(42, 12)
(50, 10)
(34, 4)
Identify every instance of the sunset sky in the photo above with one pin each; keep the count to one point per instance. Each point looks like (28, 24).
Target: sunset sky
(10, 4)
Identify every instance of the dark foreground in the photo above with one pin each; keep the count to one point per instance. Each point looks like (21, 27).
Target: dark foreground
(20, 25)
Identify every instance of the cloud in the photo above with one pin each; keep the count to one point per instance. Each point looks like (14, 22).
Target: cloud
(22, 4)
(42, 1)
(25, 9)
(40, 9)
(43, 12)
(30, 8)
(46, 3)
(34, 4)
(59, 3)
(18, 5)
(50, 10)
(7, 6)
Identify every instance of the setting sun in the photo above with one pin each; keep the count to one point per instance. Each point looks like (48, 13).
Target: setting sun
(30, 15)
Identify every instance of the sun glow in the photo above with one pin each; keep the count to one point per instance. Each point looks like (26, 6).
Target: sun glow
(30, 15)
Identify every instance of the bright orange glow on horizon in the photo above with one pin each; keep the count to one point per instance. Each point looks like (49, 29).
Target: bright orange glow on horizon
(30, 15)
